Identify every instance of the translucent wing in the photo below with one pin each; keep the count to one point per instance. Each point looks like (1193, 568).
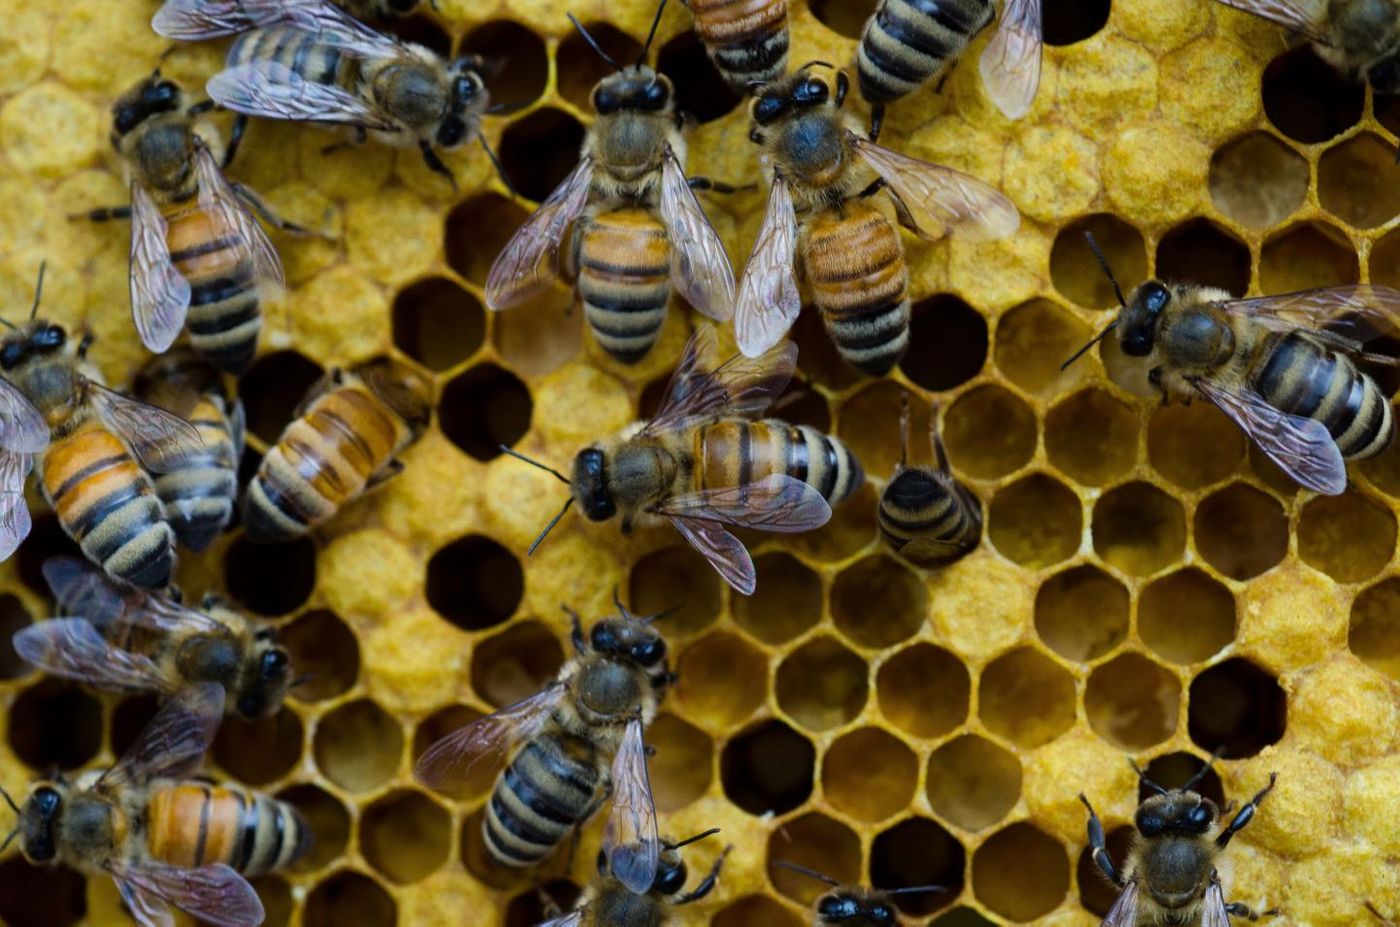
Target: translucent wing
(79, 588)
(1301, 446)
(160, 295)
(1291, 14)
(630, 838)
(173, 743)
(274, 91)
(777, 502)
(1010, 63)
(161, 441)
(452, 762)
(1357, 314)
(940, 200)
(572, 919)
(1213, 912)
(725, 552)
(149, 910)
(22, 427)
(741, 386)
(217, 198)
(1125, 910)
(73, 648)
(768, 300)
(14, 510)
(699, 266)
(215, 895)
(194, 20)
(529, 262)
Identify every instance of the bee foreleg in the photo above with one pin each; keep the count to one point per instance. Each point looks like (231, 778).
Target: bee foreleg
(435, 164)
(1098, 846)
(877, 121)
(707, 884)
(265, 213)
(576, 634)
(716, 186)
(1246, 813)
(103, 214)
(235, 138)
(757, 137)
(384, 474)
(1239, 909)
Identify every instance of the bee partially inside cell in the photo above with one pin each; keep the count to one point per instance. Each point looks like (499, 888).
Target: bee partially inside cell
(925, 514)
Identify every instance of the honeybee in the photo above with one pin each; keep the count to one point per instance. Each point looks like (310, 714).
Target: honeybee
(1283, 367)
(609, 903)
(125, 640)
(747, 42)
(570, 747)
(166, 840)
(1169, 876)
(196, 20)
(702, 464)
(1360, 38)
(925, 514)
(91, 445)
(851, 253)
(200, 495)
(638, 229)
(856, 905)
(345, 440)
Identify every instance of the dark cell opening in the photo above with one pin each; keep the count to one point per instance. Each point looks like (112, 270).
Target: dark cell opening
(40, 896)
(768, 768)
(539, 150)
(437, 323)
(13, 618)
(130, 718)
(1307, 99)
(844, 17)
(1096, 893)
(1237, 708)
(1174, 770)
(947, 343)
(477, 230)
(324, 649)
(349, 898)
(485, 407)
(55, 725)
(261, 751)
(475, 583)
(270, 579)
(700, 91)
(419, 29)
(1065, 22)
(1202, 252)
(516, 663)
(527, 908)
(46, 539)
(516, 61)
(580, 67)
(918, 852)
(272, 389)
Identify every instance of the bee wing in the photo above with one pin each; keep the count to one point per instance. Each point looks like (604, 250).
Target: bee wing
(173, 743)
(1010, 63)
(80, 588)
(14, 510)
(160, 295)
(938, 199)
(1301, 446)
(451, 762)
(1124, 912)
(699, 266)
(274, 91)
(530, 260)
(572, 919)
(160, 440)
(725, 552)
(629, 837)
(777, 502)
(768, 300)
(1291, 14)
(1357, 314)
(73, 648)
(22, 427)
(195, 20)
(215, 895)
(1213, 913)
(217, 198)
(741, 386)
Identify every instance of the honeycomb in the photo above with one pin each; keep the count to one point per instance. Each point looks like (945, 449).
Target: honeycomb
(1147, 586)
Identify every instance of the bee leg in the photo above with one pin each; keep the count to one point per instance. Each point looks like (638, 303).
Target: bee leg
(84, 343)
(435, 164)
(756, 136)
(877, 121)
(872, 188)
(1239, 909)
(104, 214)
(717, 186)
(383, 475)
(265, 213)
(707, 884)
(1238, 822)
(1100, 850)
(576, 634)
(235, 138)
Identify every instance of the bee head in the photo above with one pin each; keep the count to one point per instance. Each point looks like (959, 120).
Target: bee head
(590, 485)
(671, 873)
(38, 822)
(628, 638)
(638, 88)
(267, 679)
(1139, 318)
(466, 93)
(35, 338)
(151, 97)
(863, 907)
(799, 91)
(1175, 812)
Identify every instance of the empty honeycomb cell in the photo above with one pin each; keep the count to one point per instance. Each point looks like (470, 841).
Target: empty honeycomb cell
(1307, 99)
(869, 774)
(271, 390)
(1241, 531)
(405, 835)
(261, 751)
(1132, 702)
(870, 426)
(358, 746)
(1036, 521)
(822, 685)
(800, 404)
(516, 663)
(1186, 617)
(328, 819)
(349, 898)
(580, 67)
(1138, 528)
(682, 767)
(1075, 271)
(129, 719)
(700, 91)
(768, 769)
(527, 909)
(721, 656)
(961, 917)
(1082, 613)
(437, 323)
(918, 851)
(1351, 181)
(1350, 537)
(517, 63)
(819, 843)
(1096, 893)
(1257, 180)
(55, 725)
(787, 602)
(1307, 256)
(1237, 708)
(539, 150)
(1174, 770)
(40, 896)
(924, 690)
(1020, 872)
(1033, 341)
(844, 17)
(1374, 634)
(270, 579)
(878, 602)
(1092, 437)
(420, 30)
(13, 618)
(1193, 445)
(680, 583)
(46, 539)
(1026, 698)
(1199, 251)
(476, 231)
(947, 343)
(323, 650)
(1067, 23)
(972, 782)
(483, 408)
(755, 911)
(475, 583)
(990, 432)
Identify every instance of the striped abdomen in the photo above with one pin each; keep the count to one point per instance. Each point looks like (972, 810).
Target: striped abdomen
(323, 460)
(907, 42)
(108, 504)
(928, 518)
(224, 318)
(735, 452)
(301, 52)
(747, 39)
(540, 797)
(200, 493)
(1295, 374)
(860, 284)
(193, 825)
(624, 280)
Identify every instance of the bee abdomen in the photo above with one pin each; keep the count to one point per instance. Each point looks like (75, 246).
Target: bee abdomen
(542, 795)
(736, 453)
(1301, 377)
(907, 42)
(224, 317)
(199, 496)
(624, 280)
(916, 505)
(860, 284)
(193, 825)
(747, 39)
(301, 52)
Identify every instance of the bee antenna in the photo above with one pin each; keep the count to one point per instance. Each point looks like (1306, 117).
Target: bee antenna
(911, 889)
(593, 43)
(550, 527)
(809, 873)
(1107, 271)
(1142, 777)
(651, 619)
(15, 833)
(655, 23)
(622, 609)
(302, 680)
(1092, 341)
(1201, 773)
(535, 463)
(689, 840)
(11, 802)
(38, 291)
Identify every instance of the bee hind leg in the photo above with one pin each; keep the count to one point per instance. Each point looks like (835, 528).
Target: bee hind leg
(1242, 910)
(707, 884)
(717, 186)
(1246, 814)
(265, 213)
(1099, 847)
(435, 164)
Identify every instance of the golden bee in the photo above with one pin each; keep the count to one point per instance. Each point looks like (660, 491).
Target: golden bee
(195, 20)
(1283, 368)
(747, 40)
(856, 905)
(567, 750)
(1360, 38)
(125, 640)
(925, 514)
(638, 229)
(819, 223)
(166, 839)
(345, 440)
(1170, 874)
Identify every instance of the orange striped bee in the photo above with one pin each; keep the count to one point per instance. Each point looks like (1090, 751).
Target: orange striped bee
(165, 840)
(346, 439)
(925, 514)
(747, 40)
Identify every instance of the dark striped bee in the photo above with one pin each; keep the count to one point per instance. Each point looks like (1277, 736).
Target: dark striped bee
(856, 905)
(1170, 875)
(195, 20)
(91, 445)
(609, 903)
(638, 229)
(747, 40)
(851, 254)
(1360, 38)
(569, 749)
(925, 514)
(702, 464)
(1283, 368)
(345, 440)
(125, 640)
(167, 840)
(199, 495)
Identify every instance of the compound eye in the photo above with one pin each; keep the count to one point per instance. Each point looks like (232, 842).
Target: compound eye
(1201, 816)
(605, 101)
(766, 109)
(656, 95)
(125, 119)
(11, 355)
(603, 639)
(274, 664)
(52, 337)
(1155, 297)
(452, 133)
(1149, 824)
(649, 653)
(812, 91)
(669, 880)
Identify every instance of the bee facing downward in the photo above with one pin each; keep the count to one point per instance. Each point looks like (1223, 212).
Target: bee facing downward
(925, 514)
(856, 905)
(747, 40)
(196, 20)
(1360, 38)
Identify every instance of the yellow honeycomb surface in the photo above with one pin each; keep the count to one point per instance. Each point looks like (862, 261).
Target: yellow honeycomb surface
(1147, 585)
